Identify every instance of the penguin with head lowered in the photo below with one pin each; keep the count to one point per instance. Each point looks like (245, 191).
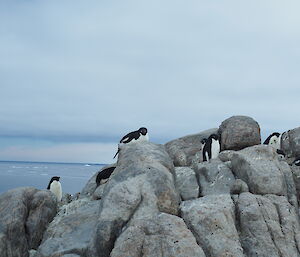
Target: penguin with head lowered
(211, 148)
(139, 135)
(274, 140)
(104, 175)
(55, 187)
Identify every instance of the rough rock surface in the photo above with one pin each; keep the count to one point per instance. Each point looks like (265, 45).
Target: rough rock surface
(212, 220)
(243, 203)
(238, 132)
(24, 216)
(164, 235)
(214, 177)
(71, 230)
(259, 167)
(142, 185)
(186, 183)
(268, 226)
(290, 143)
(184, 149)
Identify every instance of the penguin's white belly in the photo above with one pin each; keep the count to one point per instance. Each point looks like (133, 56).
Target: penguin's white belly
(215, 148)
(55, 188)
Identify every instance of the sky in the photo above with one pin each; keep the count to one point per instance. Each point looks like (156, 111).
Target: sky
(76, 76)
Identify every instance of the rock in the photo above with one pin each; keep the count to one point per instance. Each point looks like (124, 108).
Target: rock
(212, 220)
(226, 155)
(141, 186)
(24, 216)
(259, 167)
(98, 192)
(186, 183)
(238, 132)
(268, 225)
(91, 185)
(214, 177)
(70, 233)
(163, 235)
(290, 143)
(296, 176)
(184, 149)
(238, 187)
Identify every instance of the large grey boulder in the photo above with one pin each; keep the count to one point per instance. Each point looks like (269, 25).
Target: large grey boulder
(268, 225)
(259, 167)
(238, 132)
(164, 235)
(24, 215)
(212, 220)
(290, 143)
(141, 186)
(70, 233)
(214, 177)
(296, 176)
(186, 183)
(184, 149)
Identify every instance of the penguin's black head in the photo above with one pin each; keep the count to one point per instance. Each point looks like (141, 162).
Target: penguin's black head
(214, 136)
(143, 131)
(203, 141)
(275, 134)
(55, 178)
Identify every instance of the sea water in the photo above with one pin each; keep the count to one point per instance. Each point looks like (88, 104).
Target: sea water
(73, 176)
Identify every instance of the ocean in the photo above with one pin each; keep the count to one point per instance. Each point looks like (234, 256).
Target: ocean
(73, 176)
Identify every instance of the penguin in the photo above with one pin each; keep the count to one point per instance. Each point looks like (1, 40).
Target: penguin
(55, 187)
(273, 140)
(104, 174)
(297, 161)
(133, 137)
(211, 148)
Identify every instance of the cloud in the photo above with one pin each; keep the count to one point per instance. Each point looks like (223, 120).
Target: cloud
(76, 152)
(91, 72)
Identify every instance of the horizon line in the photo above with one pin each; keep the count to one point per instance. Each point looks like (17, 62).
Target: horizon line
(89, 163)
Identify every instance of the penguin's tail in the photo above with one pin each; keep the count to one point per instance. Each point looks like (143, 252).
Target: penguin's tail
(117, 153)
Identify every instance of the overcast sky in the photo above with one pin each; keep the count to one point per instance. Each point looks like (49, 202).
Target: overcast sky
(75, 76)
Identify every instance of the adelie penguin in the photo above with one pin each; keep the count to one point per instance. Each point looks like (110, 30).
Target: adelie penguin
(55, 187)
(139, 135)
(104, 175)
(211, 148)
(273, 140)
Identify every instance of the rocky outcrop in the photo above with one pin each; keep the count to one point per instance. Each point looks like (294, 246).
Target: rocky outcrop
(238, 132)
(269, 226)
(214, 177)
(142, 186)
(243, 203)
(71, 230)
(185, 149)
(24, 216)
(290, 143)
(212, 220)
(162, 235)
(186, 183)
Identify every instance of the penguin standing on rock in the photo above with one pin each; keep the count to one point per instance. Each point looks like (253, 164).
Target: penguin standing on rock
(273, 140)
(55, 187)
(139, 135)
(211, 148)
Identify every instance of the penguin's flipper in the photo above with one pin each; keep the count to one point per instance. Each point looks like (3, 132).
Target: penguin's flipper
(117, 153)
